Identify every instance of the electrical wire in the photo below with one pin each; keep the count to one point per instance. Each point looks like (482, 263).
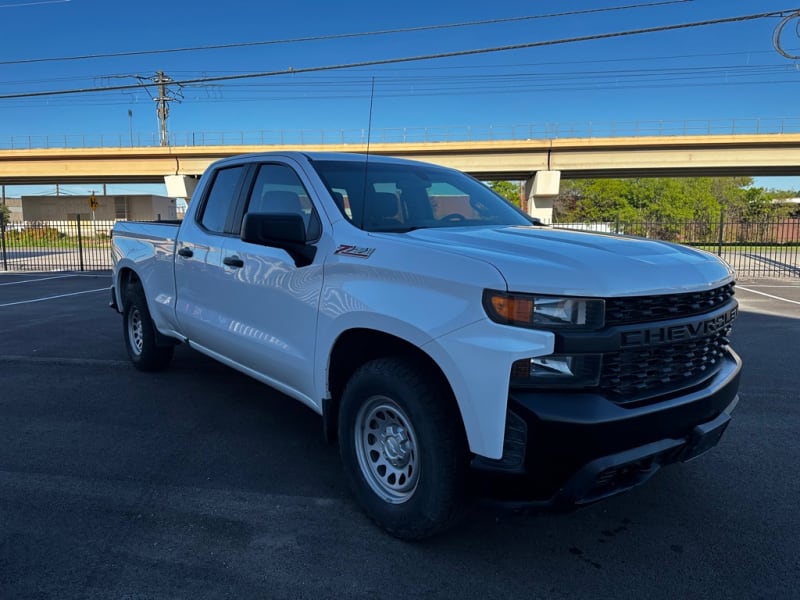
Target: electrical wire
(477, 74)
(339, 36)
(582, 61)
(776, 37)
(516, 83)
(39, 3)
(379, 62)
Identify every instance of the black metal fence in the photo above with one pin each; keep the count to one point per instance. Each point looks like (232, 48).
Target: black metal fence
(77, 245)
(762, 248)
(753, 248)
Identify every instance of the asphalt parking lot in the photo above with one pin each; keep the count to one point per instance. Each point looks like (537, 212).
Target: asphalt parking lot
(201, 483)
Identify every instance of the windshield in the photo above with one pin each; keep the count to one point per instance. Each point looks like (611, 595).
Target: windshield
(404, 197)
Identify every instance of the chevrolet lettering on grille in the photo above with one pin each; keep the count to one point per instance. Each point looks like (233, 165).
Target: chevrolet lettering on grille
(655, 336)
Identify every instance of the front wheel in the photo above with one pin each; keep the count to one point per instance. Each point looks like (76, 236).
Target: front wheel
(403, 448)
(140, 333)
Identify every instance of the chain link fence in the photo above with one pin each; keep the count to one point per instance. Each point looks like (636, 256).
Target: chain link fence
(753, 248)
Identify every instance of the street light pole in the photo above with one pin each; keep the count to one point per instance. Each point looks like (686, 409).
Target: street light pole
(130, 119)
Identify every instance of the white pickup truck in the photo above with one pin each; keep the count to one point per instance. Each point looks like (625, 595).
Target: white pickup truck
(453, 346)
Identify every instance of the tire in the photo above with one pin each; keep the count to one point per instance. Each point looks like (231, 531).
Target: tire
(140, 333)
(403, 448)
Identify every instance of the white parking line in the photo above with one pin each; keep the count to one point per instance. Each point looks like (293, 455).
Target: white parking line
(789, 286)
(60, 360)
(44, 279)
(105, 289)
(739, 287)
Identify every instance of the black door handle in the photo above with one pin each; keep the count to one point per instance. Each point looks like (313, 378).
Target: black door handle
(233, 261)
(185, 252)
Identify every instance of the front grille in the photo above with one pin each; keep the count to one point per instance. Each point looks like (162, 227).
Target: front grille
(661, 366)
(645, 309)
(631, 375)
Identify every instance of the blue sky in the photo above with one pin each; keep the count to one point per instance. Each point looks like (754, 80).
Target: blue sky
(711, 76)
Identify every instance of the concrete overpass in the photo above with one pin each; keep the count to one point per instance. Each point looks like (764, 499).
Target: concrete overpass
(682, 156)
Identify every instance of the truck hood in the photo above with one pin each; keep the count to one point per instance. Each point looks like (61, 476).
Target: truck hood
(558, 261)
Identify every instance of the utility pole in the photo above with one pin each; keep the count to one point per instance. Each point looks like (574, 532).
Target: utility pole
(162, 106)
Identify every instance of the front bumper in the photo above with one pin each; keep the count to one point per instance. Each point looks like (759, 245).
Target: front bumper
(566, 449)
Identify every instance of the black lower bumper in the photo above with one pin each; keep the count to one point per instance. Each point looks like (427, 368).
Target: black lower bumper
(566, 449)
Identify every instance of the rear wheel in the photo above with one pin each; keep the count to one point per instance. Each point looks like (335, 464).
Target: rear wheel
(403, 448)
(140, 333)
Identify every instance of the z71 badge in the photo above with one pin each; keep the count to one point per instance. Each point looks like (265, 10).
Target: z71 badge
(349, 250)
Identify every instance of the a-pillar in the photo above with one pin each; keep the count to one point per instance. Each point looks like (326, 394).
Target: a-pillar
(541, 190)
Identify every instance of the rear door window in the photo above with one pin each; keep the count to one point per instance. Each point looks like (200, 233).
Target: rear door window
(221, 199)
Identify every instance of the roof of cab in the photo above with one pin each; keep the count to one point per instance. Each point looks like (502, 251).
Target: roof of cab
(317, 156)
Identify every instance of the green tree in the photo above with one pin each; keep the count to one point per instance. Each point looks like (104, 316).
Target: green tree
(5, 215)
(593, 200)
(507, 189)
(757, 206)
(779, 210)
(672, 206)
(731, 192)
(658, 207)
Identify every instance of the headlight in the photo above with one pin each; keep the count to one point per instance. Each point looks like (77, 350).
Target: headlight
(545, 312)
(558, 370)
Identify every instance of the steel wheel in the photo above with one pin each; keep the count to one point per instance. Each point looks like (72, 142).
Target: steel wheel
(139, 332)
(404, 452)
(386, 448)
(135, 331)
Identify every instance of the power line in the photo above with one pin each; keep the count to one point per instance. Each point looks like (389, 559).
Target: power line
(39, 3)
(339, 36)
(776, 37)
(451, 68)
(371, 63)
(417, 69)
(516, 76)
(737, 80)
(401, 86)
(584, 61)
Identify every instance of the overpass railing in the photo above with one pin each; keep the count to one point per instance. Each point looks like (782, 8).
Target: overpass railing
(754, 248)
(462, 133)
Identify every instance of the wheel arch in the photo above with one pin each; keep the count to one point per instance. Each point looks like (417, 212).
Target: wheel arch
(125, 278)
(358, 346)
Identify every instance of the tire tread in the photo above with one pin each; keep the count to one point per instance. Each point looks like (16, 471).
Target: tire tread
(450, 445)
(153, 356)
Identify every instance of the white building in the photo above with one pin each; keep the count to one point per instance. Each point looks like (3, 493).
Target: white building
(105, 208)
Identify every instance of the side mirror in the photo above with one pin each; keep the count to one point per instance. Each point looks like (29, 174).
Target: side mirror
(273, 229)
(286, 231)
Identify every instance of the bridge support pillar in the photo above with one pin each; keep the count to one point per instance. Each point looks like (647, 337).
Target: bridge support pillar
(541, 190)
(180, 186)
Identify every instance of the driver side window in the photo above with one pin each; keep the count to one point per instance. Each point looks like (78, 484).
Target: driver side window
(278, 189)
